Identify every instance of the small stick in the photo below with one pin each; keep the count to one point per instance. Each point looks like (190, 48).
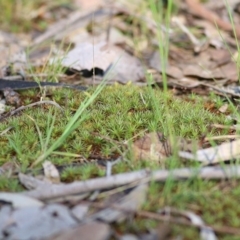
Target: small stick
(30, 105)
(167, 218)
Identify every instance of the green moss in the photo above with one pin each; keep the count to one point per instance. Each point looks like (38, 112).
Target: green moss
(118, 114)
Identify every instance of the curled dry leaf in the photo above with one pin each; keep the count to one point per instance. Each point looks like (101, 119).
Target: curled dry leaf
(80, 211)
(51, 172)
(104, 58)
(223, 108)
(86, 56)
(153, 147)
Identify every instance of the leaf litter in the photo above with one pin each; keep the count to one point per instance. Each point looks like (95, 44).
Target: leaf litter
(206, 65)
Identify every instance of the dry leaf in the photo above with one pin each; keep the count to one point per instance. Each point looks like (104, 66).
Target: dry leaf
(132, 202)
(12, 97)
(85, 56)
(224, 152)
(172, 71)
(80, 211)
(155, 147)
(19, 201)
(152, 147)
(104, 58)
(51, 172)
(223, 108)
(87, 231)
(35, 222)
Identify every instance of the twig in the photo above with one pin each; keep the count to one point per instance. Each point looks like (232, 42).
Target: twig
(167, 218)
(220, 126)
(223, 137)
(117, 180)
(31, 105)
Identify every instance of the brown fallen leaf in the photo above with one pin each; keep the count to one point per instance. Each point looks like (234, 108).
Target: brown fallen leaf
(87, 231)
(202, 72)
(199, 10)
(223, 108)
(152, 146)
(155, 147)
(51, 172)
(172, 71)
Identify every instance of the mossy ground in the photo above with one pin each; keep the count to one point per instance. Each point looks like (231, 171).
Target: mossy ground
(118, 114)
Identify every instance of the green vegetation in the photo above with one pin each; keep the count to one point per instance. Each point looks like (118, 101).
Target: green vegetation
(23, 15)
(118, 114)
(114, 116)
